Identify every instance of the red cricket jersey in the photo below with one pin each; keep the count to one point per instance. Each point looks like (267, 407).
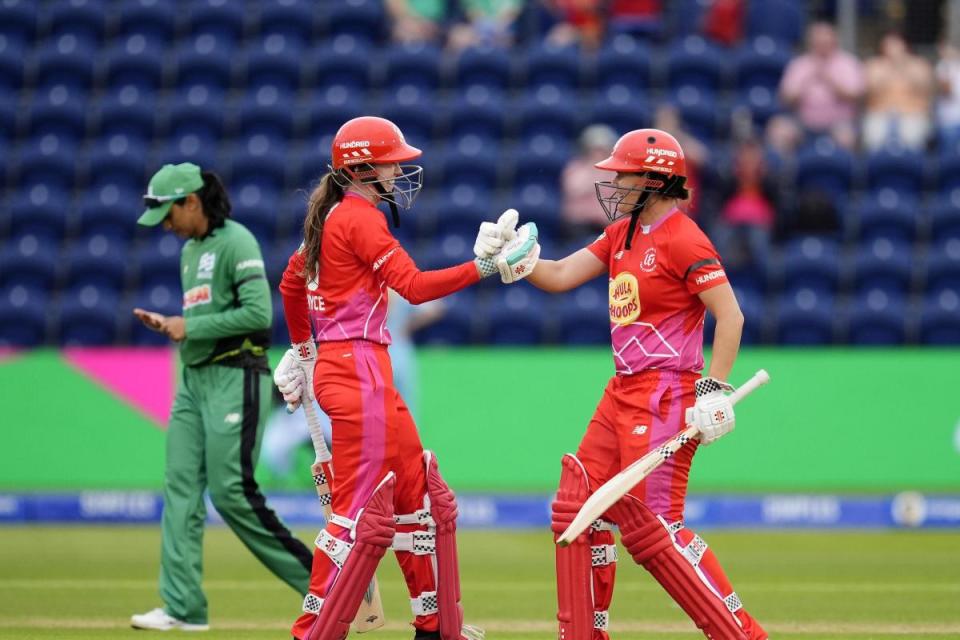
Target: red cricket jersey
(359, 259)
(656, 317)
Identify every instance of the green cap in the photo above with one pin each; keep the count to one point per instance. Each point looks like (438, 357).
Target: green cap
(170, 183)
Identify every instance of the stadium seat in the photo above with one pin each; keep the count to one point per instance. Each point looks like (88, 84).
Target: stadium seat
(59, 110)
(157, 262)
(472, 163)
(885, 214)
(23, 316)
(128, 110)
(876, 318)
(941, 269)
(153, 21)
(162, 299)
(515, 316)
(412, 111)
(761, 102)
(582, 317)
(943, 215)
(197, 111)
(811, 263)
(883, 265)
(326, 110)
(38, 210)
(899, 169)
(20, 21)
(538, 204)
(825, 167)
(620, 107)
(11, 74)
(29, 261)
(275, 62)
(135, 61)
(66, 61)
(266, 112)
(623, 61)
(278, 330)
(455, 326)
(803, 317)
(99, 262)
(116, 221)
(342, 62)
(948, 170)
(782, 20)
(759, 63)
(114, 160)
(291, 19)
(549, 111)
(414, 64)
(460, 210)
(203, 61)
(547, 64)
(695, 62)
(940, 319)
(754, 317)
(701, 113)
(48, 161)
(87, 317)
(224, 21)
(478, 111)
(83, 19)
(363, 20)
(485, 66)
(538, 161)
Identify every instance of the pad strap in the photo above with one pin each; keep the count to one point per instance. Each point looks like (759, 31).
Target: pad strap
(336, 549)
(601, 525)
(419, 543)
(425, 604)
(342, 521)
(420, 516)
(603, 554)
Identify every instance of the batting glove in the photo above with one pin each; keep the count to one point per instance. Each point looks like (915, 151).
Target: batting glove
(712, 413)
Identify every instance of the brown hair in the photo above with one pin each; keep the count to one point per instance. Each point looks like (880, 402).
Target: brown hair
(326, 194)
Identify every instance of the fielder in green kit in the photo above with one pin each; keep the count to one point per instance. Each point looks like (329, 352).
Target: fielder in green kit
(223, 397)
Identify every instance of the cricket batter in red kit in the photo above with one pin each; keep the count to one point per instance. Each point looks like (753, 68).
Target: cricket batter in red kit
(664, 274)
(387, 491)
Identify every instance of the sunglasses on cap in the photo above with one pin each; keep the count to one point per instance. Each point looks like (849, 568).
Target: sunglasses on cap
(152, 203)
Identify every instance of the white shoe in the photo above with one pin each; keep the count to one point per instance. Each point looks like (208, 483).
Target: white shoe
(160, 620)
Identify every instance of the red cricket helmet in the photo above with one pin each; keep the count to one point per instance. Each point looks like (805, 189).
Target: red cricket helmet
(370, 140)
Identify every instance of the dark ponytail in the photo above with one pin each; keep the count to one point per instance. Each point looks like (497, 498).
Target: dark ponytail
(326, 194)
(214, 199)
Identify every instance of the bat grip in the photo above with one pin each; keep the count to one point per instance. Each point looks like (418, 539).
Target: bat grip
(758, 379)
(316, 431)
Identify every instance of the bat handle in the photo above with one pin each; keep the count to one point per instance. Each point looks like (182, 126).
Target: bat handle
(758, 379)
(316, 431)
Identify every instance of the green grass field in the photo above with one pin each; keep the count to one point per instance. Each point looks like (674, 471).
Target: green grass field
(84, 582)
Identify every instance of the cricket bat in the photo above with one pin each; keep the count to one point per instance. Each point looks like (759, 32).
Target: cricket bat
(370, 614)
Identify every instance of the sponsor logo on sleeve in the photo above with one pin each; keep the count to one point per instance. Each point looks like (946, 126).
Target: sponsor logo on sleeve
(205, 265)
(249, 264)
(202, 294)
(379, 262)
(708, 277)
(624, 299)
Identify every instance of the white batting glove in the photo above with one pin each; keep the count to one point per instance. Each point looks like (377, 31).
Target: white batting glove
(491, 238)
(519, 256)
(713, 412)
(304, 356)
(290, 381)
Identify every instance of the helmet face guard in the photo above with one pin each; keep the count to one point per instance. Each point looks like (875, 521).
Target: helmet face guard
(611, 195)
(400, 190)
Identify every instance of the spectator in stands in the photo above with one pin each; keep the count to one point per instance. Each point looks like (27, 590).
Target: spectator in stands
(486, 22)
(586, 21)
(417, 20)
(748, 213)
(824, 85)
(782, 136)
(723, 21)
(580, 212)
(697, 154)
(899, 95)
(948, 104)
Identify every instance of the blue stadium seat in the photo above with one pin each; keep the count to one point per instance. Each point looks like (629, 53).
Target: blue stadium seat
(582, 317)
(941, 269)
(253, 208)
(129, 111)
(754, 317)
(196, 111)
(455, 326)
(826, 167)
(48, 161)
(812, 263)
(153, 21)
(899, 169)
(161, 299)
(115, 221)
(548, 64)
(782, 20)
(291, 19)
(58, 110)
(948, 170)
(326, 110)
(943, 215)
(460, 210)
(538, 204)
(157, 262)
(66, 61)
(84, 19)
(884, 265)
(99, 262)
(621, 108)
(940, 319)
(760, 63)
(414, 64)
(258, 161)
(28, 261)
(412, 111)
(363, 20)
(538, 161)
(623, 61)
(471, 162)
(876, 318)
(19, 22)
(278, 331)
(275, 62)
(884, 214)
(515, 316)
(203, 61)
(38, 210)
(11, 72)
(23, 316)
(135, 61)
(477, 111)
(485, 66)
(224, 21)
(695, 62)
(266, 112)
(701, 113)
(762, 104)
(549, 111)
(114, 160)
(803, 317)
(87, 317)
(342, 62)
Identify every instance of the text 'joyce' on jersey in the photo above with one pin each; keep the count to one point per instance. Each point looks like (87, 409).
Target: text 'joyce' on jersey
(656, 315)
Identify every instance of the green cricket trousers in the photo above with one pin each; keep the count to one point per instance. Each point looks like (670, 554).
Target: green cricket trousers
(212, 443)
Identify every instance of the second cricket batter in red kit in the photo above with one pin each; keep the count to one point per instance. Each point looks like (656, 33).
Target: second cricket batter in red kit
(387, 491)
(664, 274)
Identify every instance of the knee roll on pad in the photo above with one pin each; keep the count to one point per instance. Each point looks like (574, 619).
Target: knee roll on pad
(372, 533)
(650, 544)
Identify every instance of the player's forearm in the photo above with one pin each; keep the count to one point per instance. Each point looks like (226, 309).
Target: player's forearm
(726, 343)
(550, 275)
(417, 287)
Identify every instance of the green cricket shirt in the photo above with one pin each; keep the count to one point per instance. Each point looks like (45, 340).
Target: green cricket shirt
(226, 299)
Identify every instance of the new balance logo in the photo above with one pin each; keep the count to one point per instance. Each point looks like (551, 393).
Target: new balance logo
(639, 430)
